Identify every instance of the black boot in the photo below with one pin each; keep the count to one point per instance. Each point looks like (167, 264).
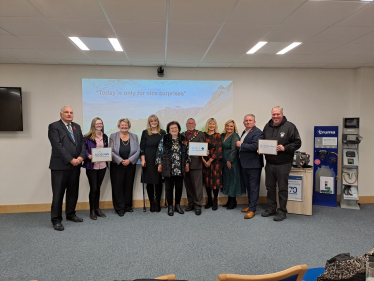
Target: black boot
(93, 215)
(209, 194)
(228, 202)
(232, 204)
(215, 200)
(170, 210)
(157, 206)
(151, 196)
(99, 213)
(153, 206)
(178, 209)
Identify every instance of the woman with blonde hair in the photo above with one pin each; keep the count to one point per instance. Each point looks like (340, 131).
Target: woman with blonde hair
(212, 169)
(231, 164)
(126, 150)
(148, 148)
(95, 172)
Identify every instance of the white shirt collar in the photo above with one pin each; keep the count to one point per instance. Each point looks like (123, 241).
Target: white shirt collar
(66, 124)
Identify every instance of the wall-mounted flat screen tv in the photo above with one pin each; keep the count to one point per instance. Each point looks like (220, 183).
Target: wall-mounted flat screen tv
(11, 109)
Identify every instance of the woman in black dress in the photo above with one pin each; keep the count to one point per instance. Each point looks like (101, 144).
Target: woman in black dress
(148, 148)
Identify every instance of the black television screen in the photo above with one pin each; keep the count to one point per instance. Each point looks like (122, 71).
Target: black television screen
(11, 109)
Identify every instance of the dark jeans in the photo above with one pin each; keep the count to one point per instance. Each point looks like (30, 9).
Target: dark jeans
(64, 180)
(122, 179)
(277, 174)
(95, 179)
(252, 178)
(169, 188)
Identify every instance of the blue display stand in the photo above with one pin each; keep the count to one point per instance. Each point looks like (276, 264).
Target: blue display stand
(325, 142)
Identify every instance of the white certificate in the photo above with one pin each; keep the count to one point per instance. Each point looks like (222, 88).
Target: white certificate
(103, 154)
(268, 147)
(198, 148)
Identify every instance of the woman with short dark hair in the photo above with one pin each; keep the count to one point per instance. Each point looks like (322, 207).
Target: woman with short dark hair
(173, 161)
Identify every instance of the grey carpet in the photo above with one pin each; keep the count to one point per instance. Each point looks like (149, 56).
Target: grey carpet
(147, 245)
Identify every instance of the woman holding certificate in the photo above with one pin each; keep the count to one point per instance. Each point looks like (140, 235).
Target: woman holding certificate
(126, 150)
(95, 172)
(212, 170)
(173, 161)
(148, 148)
(231, 164)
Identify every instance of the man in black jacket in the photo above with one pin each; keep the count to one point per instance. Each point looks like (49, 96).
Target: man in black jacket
(278, 166)
(68, 152)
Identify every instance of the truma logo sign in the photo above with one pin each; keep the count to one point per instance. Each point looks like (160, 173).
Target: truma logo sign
(326, 132)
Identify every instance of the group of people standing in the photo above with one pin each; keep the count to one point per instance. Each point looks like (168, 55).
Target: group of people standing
(232, 164)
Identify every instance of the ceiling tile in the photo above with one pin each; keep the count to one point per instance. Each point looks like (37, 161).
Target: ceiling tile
(84, 28)
(363, 17)
(342, 65)
(24, 54)
(143, 45)
(29, 26)
(189, 31)
(106, 55)
(141, 30)
(182, 64)
(342, 35)
(110, 62)
(135, 10)
(314, 48)
(351, 49)
(366, 39)
(151, 57)
(325, 59)
(359, 59)
(211, 64)
(81, 62)
(40, 61)
(197, 11)
(51, 43)
(17, 8)
(188, 46)
(263, 12)
(310, 65)
(12, 42)
(70, 9)
(3, 31)
(288, 58)
(222, 58)
(65, 54)
(6, 59)
(293, 33)
(227, 47)
(279, 65)
(324, 13)
(246, 64)
(257, 58)
(184, 57)
(145, 63)
(236, 32)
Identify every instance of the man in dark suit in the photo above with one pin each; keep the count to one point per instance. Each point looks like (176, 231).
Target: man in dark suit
(68, 152)
(193, 179)
(251, 163)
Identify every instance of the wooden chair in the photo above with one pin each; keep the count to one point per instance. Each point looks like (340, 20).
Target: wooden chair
(167, 277)
(295, 273)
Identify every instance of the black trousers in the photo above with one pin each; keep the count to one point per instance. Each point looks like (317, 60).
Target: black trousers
(122, 179)
(277, 174)
(95, 179)
(64, 180)
(154, 191)
(176, 181)
(252, 178)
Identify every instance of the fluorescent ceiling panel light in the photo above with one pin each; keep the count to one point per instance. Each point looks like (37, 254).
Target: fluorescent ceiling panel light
(79, 43)
(258, 46)
(367, 0)
(116, 45)
(289, 48)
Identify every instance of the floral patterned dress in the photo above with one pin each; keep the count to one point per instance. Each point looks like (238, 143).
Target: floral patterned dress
(212, 175)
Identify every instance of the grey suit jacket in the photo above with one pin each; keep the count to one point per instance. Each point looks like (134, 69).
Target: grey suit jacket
(115, 142)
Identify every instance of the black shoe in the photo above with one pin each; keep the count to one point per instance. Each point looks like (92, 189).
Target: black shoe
(58, 226)
(121, 213)
(152, 207)
(215, 204)
(93, 215)
(170, 210)
(188, 209)
(208, 205)
(99, 213)
(74, 219)
(279, 216)
(197, 212)
(232, 204)
(268, 213)
(178, 209)
(157, 206)
(227, 203)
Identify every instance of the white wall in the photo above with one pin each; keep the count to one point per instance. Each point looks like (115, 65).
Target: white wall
(309, 96)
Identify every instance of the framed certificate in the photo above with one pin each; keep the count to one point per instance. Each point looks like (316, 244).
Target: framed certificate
(268, 147)
(198, 148)
(103, 154)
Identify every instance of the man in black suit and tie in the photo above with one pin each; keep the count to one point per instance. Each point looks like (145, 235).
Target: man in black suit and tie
(68, 152)
(251, 163)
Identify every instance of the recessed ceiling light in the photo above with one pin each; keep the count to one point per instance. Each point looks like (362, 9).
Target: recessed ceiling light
(116, 45)
(288, 48)
(256, 47)
(79, 43)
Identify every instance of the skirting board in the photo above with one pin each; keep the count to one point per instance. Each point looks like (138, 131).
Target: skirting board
(46, 207)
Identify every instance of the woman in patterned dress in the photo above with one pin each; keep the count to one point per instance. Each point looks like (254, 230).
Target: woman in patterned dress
(212, 170)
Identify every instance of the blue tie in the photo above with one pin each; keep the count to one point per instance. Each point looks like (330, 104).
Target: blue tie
(71, 132)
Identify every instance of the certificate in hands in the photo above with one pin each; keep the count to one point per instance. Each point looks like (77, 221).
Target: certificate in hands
(198, 148)
(268, 147)
(103, 154)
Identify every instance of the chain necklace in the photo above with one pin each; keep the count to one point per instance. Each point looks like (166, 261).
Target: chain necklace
(175, 143)
(125, 142)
